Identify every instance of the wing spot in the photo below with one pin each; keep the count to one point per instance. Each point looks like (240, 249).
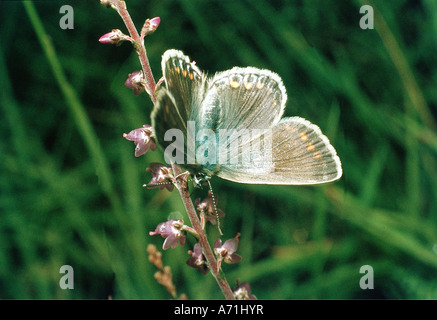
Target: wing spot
(260, 85)
(303, 137)
(167, 111)
(184, 73)
(234, 84)
(178, 70)
(291, 129)
(311, 147)
(248, 85)
(191, 76)
(317, 155)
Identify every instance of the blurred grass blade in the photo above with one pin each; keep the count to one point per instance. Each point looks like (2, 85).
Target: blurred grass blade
(77, 109)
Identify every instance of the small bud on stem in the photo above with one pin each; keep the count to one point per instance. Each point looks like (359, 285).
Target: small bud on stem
(150, 26)
(114, 37)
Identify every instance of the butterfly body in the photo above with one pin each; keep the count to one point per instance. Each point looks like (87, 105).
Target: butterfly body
(230, 125)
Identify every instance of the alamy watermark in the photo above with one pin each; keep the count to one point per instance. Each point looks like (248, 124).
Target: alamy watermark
(67, 20)
(227, 147)
(67, 280)
(366, 281)
(366, 21)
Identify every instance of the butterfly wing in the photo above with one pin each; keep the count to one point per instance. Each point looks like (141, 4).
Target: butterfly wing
(167, 116)
(248, 98)
(175, 103)
(300, 154)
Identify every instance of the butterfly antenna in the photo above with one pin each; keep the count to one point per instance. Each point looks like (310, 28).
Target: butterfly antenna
(151, 185)
(215, 208)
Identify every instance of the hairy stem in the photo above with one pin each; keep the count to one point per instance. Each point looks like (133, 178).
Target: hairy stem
(203, 240)
(183, 191)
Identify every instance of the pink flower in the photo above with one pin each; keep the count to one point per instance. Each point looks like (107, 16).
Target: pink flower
(162, 176)
(136, 82)
(208, 209)
(182, 179)
(172, 232)
(226, 251)
(242, 292)
(142, 138)
(197, 259)
(107, 3)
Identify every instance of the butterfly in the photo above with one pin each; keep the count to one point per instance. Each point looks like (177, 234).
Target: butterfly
(231, 125)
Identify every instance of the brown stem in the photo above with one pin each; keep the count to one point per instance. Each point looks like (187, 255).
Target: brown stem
(203, 240)
(185, 196)
(139, 47)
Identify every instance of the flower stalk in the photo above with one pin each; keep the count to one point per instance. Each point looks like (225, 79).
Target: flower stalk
(203, 240)
(138, 43)
(167, 177)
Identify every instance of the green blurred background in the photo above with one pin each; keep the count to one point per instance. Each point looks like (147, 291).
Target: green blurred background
(71, 189)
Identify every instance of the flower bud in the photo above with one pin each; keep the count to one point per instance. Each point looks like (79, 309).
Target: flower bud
(150, 26)
(113, 37)
(106, 3)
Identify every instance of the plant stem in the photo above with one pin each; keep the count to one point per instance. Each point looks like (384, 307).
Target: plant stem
(203, 240)
(183, 191)
(139, 47)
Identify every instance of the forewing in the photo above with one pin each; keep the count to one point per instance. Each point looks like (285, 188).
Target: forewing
(165, 117)
(243, 98)
(184, 87)
(183, 80)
